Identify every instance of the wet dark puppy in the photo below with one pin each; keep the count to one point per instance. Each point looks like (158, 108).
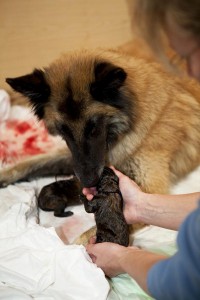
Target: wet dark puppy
(58, 195)
(107, 207)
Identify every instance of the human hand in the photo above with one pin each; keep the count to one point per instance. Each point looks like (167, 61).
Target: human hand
(115, 259)
(131, 193)
(108, 256)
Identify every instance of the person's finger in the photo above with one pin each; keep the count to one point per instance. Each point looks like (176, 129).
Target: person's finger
(93, 257)
(90, 249)
(117, 172)
(92, 240)
(135, 248)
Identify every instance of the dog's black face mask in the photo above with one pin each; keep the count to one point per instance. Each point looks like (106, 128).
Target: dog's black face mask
(88, 145)
(89, 157)
(90, 118)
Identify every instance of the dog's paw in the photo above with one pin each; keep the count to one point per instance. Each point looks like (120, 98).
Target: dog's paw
(63, 214)
(7, 176)
(3, 184)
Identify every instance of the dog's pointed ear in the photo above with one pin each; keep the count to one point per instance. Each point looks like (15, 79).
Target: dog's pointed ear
(34, 87)
(108, 80)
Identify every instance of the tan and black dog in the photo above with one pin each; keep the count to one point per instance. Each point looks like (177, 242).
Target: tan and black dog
(113, 109)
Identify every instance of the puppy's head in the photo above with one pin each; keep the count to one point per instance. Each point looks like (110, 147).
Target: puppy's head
(84, 99)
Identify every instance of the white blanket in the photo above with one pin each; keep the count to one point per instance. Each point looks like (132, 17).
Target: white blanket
(33, 259)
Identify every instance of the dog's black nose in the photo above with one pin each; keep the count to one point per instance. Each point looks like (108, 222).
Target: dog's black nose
(90, 182)
(89, 177)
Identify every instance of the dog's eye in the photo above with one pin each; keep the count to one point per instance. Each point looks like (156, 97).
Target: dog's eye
(91, 129)
(65, 131)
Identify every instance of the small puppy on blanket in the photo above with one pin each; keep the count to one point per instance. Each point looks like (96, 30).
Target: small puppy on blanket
(107, 207)
(58, 195)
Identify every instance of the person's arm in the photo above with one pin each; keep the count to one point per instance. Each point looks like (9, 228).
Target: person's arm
(167, 211)
(178, 277)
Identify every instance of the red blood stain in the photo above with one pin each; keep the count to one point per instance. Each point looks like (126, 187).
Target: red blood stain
(30, 147)
(19, 127)
(6, 155)
(37, 140)
(22, 127)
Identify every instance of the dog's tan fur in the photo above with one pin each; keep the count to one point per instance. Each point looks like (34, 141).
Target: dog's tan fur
(165, 142)
(159, 137)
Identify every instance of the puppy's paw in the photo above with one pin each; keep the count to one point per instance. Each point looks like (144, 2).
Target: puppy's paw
(63, 214)
(90, 206)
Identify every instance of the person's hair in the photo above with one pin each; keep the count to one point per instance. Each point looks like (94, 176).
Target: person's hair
(149, 17)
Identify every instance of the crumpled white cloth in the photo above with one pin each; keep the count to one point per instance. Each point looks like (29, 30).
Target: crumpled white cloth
(4, 105)
(35, 262)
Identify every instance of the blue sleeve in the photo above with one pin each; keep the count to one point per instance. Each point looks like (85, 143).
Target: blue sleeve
(178, 277)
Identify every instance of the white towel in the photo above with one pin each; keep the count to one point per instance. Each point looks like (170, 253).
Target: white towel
(34, 261)
(4, 105)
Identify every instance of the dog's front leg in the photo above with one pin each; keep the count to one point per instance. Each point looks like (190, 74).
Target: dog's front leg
(50, 164)
(150, 171)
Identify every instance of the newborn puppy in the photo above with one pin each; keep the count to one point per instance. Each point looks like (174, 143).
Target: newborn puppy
(58, 195)
(107, 207)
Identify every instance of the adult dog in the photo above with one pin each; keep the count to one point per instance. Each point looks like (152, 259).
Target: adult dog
(112, 108)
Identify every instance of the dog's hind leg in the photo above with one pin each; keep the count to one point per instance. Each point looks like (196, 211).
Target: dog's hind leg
(56, 163)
